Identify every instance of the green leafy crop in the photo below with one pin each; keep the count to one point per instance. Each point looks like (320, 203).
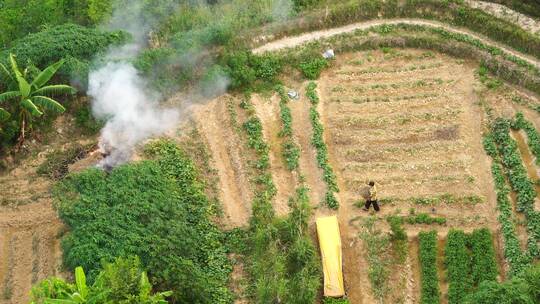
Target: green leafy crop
(154, 209)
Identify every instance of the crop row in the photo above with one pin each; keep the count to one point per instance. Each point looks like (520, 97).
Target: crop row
(430, 293)
(322, 150)
(533, 136)
(384, 98)
(281, 258)
(290, 150)
(519, 180)
(375, 70)
(484, 263)
(384, 86)
(516, 258)
(420, 218)
(470, 260)
(424, 218)
(457, 265)
(446, 198)
(525, 102)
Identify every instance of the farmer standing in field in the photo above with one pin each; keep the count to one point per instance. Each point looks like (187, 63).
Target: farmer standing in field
(372, 197)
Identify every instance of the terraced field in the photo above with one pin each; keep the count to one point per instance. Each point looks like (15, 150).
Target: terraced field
(419, 123)
(411, 120)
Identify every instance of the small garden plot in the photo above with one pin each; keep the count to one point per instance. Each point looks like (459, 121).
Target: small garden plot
(470, 260)
(408, 125)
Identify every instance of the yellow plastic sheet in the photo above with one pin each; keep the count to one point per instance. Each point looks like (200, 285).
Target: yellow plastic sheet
(330, 243)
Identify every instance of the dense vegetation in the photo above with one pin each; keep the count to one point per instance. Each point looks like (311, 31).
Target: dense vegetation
(123, 281)
(454, 12)
(75, 45)
(457, 263)
(484, 264)
(521, 289)
(529, 8)
(430, 292)
(155, 210)
(470, 260)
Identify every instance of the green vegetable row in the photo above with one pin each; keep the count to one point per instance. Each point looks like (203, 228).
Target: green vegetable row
(322, 150)
(519, 180)
(470, 260)
(458, 264)
(430, 293)
(424, 218)
(533, 135)
(516, 258)
(290, 150)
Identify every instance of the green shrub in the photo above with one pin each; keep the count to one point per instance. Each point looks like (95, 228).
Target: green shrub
(378, 257)
(76, 44)
(153, 209)
(522, 289)
(312, 69)
(424, 218)
(396, 226)
(399, 238)
(85, 121)
(291, 154)
(247, 70)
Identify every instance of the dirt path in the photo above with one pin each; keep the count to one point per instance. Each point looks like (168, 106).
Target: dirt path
(288, 42)
(500, 11)
(215, 124)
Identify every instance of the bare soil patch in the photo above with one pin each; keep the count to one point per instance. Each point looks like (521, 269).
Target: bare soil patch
(227, 152)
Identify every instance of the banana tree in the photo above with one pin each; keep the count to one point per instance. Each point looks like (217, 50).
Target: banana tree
(118, 282)
(32, 99)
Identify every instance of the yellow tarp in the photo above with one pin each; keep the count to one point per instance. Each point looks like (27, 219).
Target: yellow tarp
(330, 243)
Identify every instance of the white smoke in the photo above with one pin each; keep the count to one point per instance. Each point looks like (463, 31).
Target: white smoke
(121, 97)
(132, 113)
